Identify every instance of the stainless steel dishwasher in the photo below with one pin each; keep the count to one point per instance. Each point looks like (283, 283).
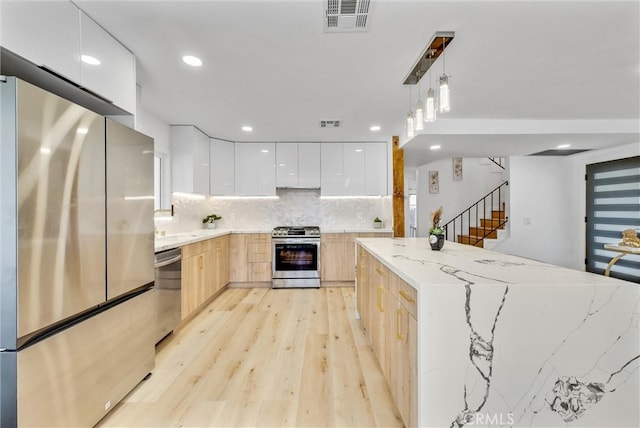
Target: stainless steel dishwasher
(168, 289)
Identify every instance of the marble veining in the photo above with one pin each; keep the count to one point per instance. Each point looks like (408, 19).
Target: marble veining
(508, 341)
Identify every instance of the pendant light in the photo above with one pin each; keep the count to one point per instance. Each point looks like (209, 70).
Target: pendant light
(445, 103)
(419, 122)
(430, 103)
(410, 131)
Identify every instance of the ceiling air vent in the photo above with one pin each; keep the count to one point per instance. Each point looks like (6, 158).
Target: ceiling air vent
(330, 123)
(342, 16)
(563, 152)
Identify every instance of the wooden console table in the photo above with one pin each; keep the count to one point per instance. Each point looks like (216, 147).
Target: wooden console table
(623, 250)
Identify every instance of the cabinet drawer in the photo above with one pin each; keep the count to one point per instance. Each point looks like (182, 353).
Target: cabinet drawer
(407, 296)
(194, 249)
(331, 238)
(257, 238)
(259, 272)
(258, 252)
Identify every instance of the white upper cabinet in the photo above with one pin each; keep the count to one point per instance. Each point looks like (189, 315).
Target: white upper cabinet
(354, 169)
(298, 165)
(115, 77)
(45, 32)
(255, 173)
(54, 35)
(331, 180)
(221, 167)
(189, 160)
(309, 165)
(286, 164)
(353, 172)
(376, 169)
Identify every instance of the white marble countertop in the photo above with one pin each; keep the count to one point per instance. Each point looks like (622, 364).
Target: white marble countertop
(180, 239)
(413, 260)
(516, 342)
(356, 230)
(176, 240)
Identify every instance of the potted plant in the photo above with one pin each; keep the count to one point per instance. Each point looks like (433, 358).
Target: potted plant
(210, 220)
(436, 233)
(377, 223)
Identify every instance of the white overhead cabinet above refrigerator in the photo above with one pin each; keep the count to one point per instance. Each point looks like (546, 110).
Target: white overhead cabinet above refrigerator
(76, 245)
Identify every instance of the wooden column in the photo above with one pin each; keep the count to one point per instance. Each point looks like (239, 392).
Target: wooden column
(398, 188)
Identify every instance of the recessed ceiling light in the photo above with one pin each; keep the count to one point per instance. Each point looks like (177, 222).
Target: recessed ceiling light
(247, 128)
(435, 147)
(88, 59)
(564, 146)
(264, 151)
(191, 60)
(375, 128)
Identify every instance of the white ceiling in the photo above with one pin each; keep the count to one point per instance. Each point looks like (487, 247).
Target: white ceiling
(269, 64)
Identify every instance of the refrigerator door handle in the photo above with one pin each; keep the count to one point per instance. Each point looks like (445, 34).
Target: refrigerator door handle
(168, 262)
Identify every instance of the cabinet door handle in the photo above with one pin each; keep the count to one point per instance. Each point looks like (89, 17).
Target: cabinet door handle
(201, 262)
(398, 323)
(406, 296)
(380, 291)
(379, 272)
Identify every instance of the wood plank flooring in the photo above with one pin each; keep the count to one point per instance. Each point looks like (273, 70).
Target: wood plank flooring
(257, 357)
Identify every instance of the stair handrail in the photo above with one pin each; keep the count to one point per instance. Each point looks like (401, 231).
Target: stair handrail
(496, 162)
(487, 231)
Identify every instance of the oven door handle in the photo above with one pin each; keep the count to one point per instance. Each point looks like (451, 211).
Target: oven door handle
(297, 241)
(168, 261)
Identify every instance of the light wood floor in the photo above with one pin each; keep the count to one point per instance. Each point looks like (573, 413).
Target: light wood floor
(263, 357)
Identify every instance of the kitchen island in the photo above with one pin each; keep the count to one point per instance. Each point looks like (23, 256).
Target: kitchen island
(500, 340)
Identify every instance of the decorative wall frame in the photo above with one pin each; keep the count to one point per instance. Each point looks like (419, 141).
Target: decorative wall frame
(457, 168)
(434, 182)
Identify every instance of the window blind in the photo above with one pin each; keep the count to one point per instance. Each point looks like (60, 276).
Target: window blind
(613, 205)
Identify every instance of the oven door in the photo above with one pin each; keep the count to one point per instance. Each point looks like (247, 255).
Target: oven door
(296, 258)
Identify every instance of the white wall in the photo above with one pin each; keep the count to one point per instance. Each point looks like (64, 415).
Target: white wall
(160, 131)
(478, 179)
(539, 194)
(551, 193)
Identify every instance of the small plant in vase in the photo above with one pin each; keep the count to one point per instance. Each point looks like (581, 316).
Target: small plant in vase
(377, 223)
(436, 233)
(210, 220)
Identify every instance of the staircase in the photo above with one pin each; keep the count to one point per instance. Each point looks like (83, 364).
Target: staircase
(488, 229)
(481, 221)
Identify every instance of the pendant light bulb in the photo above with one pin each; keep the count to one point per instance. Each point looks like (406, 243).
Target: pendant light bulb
(430, 106)
(419, 117)
(445, 104)
(410, 133)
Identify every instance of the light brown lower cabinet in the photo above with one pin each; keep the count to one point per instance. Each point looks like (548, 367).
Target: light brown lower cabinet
(250, 257)
(388, 312)
(337, 254)
(205, 271)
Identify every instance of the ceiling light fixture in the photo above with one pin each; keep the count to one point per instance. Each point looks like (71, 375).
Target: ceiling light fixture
(435, 147)
(375, 128)
(91, 60)
(410, 132)
(430, 103)
(247, 128)
(445, 101)
(419, 122)
(564, 146)
(191, 60)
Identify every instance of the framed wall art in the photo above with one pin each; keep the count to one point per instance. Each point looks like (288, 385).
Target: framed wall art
(434, 185)
(457, 168)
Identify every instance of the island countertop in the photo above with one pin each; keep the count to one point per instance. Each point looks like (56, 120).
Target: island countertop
(508, 341)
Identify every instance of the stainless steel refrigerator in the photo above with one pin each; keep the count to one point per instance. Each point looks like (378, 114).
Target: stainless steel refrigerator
(76, 259)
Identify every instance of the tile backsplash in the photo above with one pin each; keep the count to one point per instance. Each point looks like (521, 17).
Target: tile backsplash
(290, 208)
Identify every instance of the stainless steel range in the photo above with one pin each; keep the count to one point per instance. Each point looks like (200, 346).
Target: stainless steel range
(296, 256)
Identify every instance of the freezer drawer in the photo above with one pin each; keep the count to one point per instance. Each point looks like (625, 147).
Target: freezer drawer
(75, 377)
